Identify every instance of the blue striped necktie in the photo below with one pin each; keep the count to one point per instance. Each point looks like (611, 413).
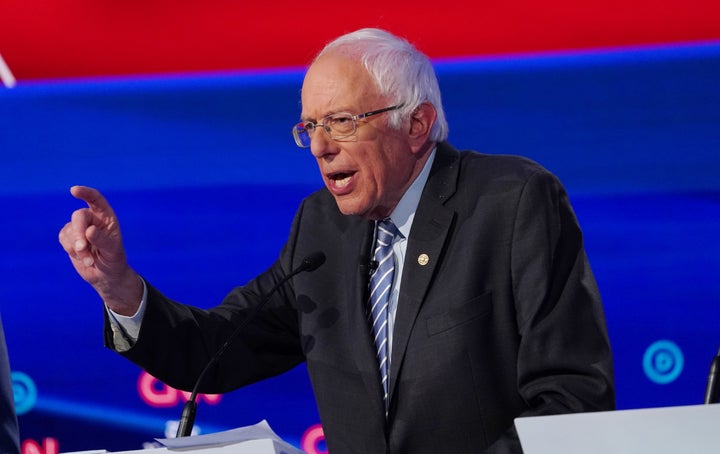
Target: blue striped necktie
(380, 287)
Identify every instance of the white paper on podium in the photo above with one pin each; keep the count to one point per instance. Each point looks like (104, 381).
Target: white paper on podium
(667, 430)
(258, 438)
(259, 431)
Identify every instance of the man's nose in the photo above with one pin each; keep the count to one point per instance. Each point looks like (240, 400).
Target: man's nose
(321, 145)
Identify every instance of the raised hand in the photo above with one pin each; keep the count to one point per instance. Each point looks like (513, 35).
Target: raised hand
(94, 244)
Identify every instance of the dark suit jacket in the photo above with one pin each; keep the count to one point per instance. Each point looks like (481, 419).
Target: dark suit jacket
(504, 319)
(9, 436)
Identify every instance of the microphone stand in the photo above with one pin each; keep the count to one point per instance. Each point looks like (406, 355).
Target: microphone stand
(187, 418)
(712, 390)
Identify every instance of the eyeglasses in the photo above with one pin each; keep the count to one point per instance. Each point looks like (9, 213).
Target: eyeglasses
(337, 126)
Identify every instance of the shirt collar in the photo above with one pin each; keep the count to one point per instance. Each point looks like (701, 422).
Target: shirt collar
(404, 213)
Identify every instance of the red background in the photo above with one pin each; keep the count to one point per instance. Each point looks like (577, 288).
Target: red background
(77, 38)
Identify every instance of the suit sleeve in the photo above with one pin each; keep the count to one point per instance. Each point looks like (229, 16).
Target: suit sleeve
(564, 358)
(9, 436)
(176, 341)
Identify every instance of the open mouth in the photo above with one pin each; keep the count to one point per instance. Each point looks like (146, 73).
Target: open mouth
(341, 179)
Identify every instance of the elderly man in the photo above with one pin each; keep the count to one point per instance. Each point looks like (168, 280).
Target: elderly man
(455, 296)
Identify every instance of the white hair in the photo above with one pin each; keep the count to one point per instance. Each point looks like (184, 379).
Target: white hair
(401, 73)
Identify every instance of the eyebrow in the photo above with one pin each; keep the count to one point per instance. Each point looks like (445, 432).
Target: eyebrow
(333, 112)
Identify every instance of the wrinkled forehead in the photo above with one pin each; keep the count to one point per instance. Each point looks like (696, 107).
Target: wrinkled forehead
(337, 82)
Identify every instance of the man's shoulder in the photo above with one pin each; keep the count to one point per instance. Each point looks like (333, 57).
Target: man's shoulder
(486, 164)
(499, 164)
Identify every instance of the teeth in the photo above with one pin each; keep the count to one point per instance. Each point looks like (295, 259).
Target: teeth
(342, 182)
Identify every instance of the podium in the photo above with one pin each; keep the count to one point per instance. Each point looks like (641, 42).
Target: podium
(265, 446)
(256, 439)
(667, 430)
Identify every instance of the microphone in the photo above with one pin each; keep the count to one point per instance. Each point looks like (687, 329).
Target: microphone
(187, 419)
(712, 390)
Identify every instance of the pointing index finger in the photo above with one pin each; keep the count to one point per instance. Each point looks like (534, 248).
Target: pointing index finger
(96, 202)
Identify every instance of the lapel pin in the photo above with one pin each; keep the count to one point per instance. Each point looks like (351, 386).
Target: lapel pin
(423, 259)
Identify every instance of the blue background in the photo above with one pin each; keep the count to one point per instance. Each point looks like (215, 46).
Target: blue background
(195, 166)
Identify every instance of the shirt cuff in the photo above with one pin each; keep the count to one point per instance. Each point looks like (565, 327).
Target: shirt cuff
(126, 329)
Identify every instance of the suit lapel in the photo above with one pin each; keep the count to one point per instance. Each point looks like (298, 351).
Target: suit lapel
(425, 249)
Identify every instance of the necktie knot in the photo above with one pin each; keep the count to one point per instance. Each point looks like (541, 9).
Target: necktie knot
(386, 231)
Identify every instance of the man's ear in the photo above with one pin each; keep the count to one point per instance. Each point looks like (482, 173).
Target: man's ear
(421, 121)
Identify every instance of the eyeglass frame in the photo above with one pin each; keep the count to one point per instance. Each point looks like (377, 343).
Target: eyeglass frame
(354, 119)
